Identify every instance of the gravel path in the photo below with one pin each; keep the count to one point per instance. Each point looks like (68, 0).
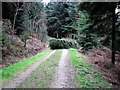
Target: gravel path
(22, 76)
(64, 73)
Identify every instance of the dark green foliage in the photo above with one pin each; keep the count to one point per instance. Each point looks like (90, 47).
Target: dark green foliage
(118, 29)
(62, 43)
(95, 24)
(18, 23)
(91, 28)
(27, 17)
(85, 37)
(24, 37)
(101, 18)
(4, 39)
(60, 14)
(88, 43)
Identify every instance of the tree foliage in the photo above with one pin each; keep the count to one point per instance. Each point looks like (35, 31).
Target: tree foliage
(101, 18)
(59, 14)
(85, 37)
(62, 43)
(26, 18)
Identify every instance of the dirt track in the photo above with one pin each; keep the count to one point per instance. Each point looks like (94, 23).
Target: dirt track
(62, 78)
(22, 76)
(64, 73)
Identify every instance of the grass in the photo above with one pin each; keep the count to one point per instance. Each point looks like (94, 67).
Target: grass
(86, 76)
(12, 70)
(43, 75)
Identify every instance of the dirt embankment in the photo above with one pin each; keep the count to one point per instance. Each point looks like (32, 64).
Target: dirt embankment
(13, 50)
(101, 60)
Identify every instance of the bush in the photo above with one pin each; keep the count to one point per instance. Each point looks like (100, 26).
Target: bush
(62, 43)
(88, 42)
(5, 40)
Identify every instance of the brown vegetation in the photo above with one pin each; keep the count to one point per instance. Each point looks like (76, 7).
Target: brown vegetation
(101, 60)
(14, 50)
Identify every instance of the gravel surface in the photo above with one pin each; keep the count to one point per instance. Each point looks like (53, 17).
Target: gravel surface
(63, 77)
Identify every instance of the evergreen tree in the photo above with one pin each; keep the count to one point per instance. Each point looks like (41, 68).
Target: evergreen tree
(59, 15)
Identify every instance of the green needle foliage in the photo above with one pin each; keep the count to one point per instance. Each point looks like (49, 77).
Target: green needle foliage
(62, 43)
(85, 37)
(60, 14)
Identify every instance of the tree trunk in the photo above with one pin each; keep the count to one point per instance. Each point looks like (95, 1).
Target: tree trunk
(17, 8)
(113, 34)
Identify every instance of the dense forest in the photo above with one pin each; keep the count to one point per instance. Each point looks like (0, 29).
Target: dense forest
(90, 27)
(31, 27)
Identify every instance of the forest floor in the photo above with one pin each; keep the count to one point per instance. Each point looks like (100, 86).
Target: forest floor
(15, 51)
(101, 60)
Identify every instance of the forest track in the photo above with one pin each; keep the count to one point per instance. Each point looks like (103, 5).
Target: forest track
(22, 76)
(64, 77)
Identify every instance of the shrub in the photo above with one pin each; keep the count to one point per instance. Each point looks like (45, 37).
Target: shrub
(5, 40)
(62, 43)
(88, 42)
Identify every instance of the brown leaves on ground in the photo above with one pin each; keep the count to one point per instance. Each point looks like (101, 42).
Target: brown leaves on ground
(101, 60)
(16, 51)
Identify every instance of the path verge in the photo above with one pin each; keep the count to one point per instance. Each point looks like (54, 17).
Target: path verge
(86, 76)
